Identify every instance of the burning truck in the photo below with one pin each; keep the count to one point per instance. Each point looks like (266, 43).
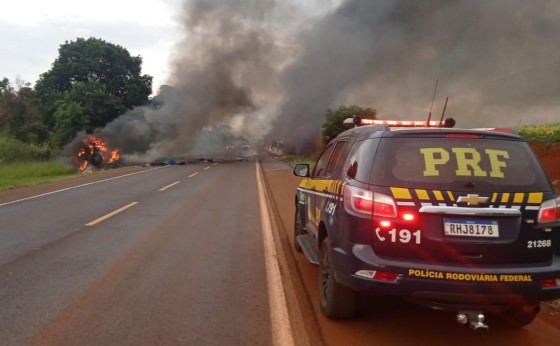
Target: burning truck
(95, 153)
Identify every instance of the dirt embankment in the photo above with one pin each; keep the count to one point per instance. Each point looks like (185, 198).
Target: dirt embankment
(549, 155)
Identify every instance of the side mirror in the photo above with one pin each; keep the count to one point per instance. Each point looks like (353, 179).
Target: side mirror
(301, 170)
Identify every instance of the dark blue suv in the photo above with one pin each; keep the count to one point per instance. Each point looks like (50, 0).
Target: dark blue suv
(456, 219)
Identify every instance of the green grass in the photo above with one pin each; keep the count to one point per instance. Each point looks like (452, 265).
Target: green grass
(32, 173)
(549, 133)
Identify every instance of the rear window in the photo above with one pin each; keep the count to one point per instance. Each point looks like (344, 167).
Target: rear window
(458, 164)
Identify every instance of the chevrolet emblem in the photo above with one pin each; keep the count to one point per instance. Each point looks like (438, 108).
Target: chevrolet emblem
(472, 200)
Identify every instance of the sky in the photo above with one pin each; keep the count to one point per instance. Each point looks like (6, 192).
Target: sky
(33, 30)
(272, 68)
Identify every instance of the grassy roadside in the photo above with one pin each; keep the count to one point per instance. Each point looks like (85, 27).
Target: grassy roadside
(32, 173)
(549, 133)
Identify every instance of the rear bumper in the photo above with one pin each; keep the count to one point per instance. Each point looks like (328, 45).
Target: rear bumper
(447, 287)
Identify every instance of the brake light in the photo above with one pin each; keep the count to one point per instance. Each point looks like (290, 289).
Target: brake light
(385, 223)
(378, 275)
(462, 135)
(408, 217)
(384, 276)
(384, 205)
(367, 202)
(358, 200)
(550, 211)
(550, 283)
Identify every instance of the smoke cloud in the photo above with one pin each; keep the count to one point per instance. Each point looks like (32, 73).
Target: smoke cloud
(272, 67)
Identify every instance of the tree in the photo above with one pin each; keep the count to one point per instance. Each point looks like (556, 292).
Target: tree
(19, 112)
(334, 119)
(102, 78)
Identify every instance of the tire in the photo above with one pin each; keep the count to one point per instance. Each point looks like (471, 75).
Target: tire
(520, 316)
(298, 230)
(337, 301)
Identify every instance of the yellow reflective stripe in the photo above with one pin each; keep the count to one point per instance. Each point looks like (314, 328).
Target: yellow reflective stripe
(306, 183)
(518, 197)
(494, 197)
(422, 194)
(535, 197)
(438, 195)
(321, 185)
(450, 196)
(401, 193)
(505, 197)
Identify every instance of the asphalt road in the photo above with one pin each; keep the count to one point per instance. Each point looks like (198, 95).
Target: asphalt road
(170, 255)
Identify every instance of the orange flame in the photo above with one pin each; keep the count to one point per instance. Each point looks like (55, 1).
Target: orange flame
(95, 146)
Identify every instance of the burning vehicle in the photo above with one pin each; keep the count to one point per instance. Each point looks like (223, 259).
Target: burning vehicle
(94, 152)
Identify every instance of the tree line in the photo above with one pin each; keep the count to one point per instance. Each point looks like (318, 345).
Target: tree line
(89, 84)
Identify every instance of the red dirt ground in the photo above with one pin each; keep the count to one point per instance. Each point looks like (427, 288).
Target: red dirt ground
(549, 155)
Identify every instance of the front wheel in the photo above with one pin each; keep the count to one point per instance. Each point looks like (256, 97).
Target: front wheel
(337, 301)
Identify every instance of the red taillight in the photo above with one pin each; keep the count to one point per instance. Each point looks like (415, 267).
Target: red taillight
(550, 211)
(382, 208)
(384, 276)
(362, 203)
(378, 275)
(385, 223)
(550, 283)
(367, 202)
(408, 217)
(384, 205)
(462, 135)
(358, 200)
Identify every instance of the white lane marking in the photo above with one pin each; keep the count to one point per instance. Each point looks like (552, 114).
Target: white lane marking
(280, 322)
(75, 187)
(192, 175)
(168, 186)
(207, 167)
(103, 218)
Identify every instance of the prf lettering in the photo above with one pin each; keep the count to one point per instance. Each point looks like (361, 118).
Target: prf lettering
(466, 160)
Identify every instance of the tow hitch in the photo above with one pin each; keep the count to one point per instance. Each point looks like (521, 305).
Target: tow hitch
(474, 318)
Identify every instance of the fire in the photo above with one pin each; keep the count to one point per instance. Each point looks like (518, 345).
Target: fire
(96, 152)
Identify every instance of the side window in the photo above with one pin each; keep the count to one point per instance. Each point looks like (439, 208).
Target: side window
(359, 163)
(334, 162)
(320, 168)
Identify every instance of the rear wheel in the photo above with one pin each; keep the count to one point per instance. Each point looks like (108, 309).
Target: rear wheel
(520, 316)
(337, 301)
(298, 230)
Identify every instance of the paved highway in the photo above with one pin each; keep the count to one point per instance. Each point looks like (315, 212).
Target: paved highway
(167, 255)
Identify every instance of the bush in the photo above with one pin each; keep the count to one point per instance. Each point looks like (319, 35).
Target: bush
(549, 133)
(13, 150)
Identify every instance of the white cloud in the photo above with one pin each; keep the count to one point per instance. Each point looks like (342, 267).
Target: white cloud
(33, 30)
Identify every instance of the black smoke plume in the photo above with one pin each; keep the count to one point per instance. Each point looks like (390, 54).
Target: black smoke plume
(274, 67)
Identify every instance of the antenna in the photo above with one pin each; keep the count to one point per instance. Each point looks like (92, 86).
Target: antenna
(443, 113)
(433, 98)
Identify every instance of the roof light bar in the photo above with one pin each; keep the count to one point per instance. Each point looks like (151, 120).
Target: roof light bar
(358, 121)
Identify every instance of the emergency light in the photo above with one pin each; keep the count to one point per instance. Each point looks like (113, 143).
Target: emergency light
(358, 121)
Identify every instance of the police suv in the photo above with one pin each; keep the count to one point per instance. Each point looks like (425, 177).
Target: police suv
(455, 219)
